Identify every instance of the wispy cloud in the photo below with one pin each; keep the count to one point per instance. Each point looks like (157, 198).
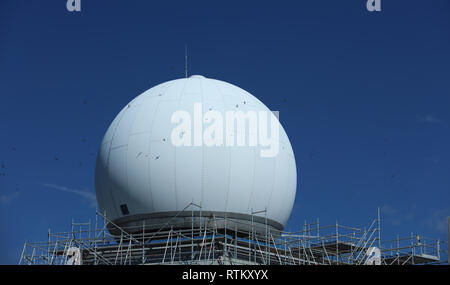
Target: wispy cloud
(434, 159)
(6, 198)
(430, 119)
(395, 216)
(438, 220)
(85, 194)
(434, 219)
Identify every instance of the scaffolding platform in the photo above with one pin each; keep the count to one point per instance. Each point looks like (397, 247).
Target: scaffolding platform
(412, 259)
(93, 244)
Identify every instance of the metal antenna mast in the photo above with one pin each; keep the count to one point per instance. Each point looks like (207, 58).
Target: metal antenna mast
(186, 61)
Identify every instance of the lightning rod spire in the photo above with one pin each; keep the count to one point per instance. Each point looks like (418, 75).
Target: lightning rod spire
(186, 61)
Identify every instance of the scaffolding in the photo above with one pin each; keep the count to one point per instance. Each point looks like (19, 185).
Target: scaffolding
(92, 244)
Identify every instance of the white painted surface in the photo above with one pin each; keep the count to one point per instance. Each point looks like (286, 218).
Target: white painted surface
(137, 164)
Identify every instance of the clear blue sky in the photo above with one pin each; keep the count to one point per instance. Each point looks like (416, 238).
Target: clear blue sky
(364, 98)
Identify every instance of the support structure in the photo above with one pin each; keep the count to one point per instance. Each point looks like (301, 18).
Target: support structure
(209, 243)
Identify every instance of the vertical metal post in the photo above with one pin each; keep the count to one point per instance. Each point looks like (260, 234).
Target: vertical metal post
(337, 243)
(318, 228)
(171, 244)
(438, 245)
(379, 229)
(179, 251)
(253, 239)
(200, 221)
(265, 218)
(268, 237)
(48, 246)
(192, 232)
(104, 226)
(448, 239)
(95, 237)
(225, 252)
(249, 242)
(213, 241)
(143, 241)
(235, 241)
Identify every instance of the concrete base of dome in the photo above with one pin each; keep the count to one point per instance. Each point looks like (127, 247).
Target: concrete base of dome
(233, 222)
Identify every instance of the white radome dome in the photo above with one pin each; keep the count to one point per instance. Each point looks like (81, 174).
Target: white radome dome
(140, 175)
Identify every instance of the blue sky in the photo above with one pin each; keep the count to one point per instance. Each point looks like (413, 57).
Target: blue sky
(364, 98)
